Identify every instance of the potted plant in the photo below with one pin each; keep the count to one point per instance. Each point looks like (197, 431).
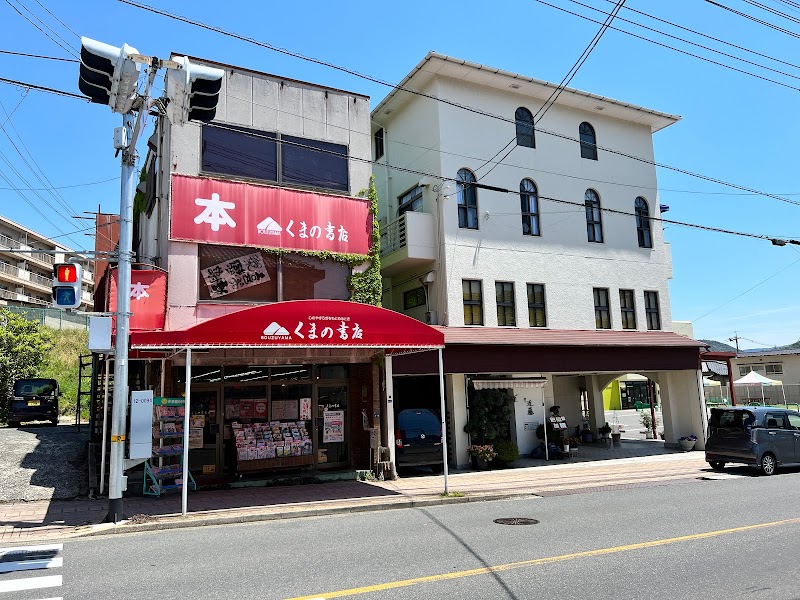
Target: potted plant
(687, 442)
(482, 454)
(647, 422)
(507, 452)
(489, 419)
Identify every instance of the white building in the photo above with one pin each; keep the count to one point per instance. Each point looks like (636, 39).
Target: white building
(524, 244)
(26, 278)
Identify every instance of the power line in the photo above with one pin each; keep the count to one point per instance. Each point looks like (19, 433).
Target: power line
(40, 88)
(444, 100)
(754, 19)
(60, 187)
(774, 12)
(680, 39)
(64, 47)
(57, 19)
(72, 60)
(685, 52)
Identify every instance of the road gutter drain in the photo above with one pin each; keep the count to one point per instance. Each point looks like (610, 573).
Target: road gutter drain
(516, 521)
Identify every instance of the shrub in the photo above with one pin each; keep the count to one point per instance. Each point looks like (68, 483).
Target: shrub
(507, 451)
(489, 415)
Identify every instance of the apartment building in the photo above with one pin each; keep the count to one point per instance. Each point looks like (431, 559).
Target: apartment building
(26, 278)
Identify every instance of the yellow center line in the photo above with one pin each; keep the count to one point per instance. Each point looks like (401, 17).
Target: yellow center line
(390, 585)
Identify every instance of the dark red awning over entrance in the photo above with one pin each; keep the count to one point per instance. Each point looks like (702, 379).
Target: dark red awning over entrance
(300, 324)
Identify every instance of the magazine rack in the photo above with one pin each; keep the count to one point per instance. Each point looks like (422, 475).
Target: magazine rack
(163, 472)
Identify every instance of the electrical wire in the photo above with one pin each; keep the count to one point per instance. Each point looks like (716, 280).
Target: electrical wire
(72, 60)
(754, 19)
(57, 19)
(41, 88)
(398, 87)
(673, 48)
(64, 46)
(61, 187)
(774, 12)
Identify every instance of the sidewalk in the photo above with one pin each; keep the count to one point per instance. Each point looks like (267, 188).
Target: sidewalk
(22, 522)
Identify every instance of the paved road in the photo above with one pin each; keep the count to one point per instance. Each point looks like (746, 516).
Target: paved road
(734, 537)
(41, 462)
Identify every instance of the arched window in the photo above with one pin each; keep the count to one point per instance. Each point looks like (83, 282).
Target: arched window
(529, 202)
(467, 200)
(588, 141)
(594, 222)
(524, 121)
(643, 223)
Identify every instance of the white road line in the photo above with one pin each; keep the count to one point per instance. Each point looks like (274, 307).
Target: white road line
(30, 583)
(31, 565)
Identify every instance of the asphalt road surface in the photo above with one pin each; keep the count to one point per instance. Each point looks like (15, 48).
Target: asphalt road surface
(40, 462)
(735, 537)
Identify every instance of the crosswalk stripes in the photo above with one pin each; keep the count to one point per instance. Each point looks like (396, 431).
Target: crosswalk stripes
(31, 558)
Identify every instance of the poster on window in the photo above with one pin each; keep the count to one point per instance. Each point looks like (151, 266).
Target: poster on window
(333, 426)
(305, 409)
(235, 274)
(285, 410)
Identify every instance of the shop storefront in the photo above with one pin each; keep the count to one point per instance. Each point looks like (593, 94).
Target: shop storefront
(284, 386)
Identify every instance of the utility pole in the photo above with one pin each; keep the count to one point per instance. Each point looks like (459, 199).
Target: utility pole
(736, 339)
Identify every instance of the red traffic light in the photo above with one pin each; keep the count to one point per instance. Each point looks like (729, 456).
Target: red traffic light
(66, 273)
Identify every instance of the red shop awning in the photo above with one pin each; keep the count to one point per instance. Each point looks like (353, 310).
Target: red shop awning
(300, 324)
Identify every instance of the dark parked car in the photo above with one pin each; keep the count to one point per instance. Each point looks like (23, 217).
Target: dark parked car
(759, 436)
(418, 439)
(34, 400)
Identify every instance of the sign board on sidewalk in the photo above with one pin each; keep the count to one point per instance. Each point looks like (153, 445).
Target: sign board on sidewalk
(141, 433)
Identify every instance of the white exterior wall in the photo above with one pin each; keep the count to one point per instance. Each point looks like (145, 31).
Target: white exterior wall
(789, 362)
(262, 102)
(561, 257)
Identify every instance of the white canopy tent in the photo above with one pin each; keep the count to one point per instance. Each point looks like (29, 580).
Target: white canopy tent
(753, 379)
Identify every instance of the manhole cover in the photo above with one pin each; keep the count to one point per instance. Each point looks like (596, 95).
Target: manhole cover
(516, 521)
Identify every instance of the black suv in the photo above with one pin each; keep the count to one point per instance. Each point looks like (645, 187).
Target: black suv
(760, 436)
(418, 439)
(34, 400)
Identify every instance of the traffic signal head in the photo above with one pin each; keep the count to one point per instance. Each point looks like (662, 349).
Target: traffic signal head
(108, 75)
(193, 91)
(67, 285)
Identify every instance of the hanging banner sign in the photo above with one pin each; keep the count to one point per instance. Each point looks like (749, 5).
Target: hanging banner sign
(235, 274)
(244, 214)
(148, 295)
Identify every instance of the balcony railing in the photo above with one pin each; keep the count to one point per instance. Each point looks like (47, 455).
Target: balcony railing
(393, 237)
(21, 298)
(8, 243)
(26, 276)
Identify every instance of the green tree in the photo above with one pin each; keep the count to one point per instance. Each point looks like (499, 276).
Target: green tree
(489, 415)
(23, 348)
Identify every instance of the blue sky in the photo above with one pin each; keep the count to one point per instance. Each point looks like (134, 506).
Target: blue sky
(735, 127)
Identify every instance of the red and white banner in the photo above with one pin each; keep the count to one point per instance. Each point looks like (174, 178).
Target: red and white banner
(244, 214)
(148, 295)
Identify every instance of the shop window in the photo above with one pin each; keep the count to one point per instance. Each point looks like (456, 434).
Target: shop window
(235, 274)
(199, 375)
(414, 298)
(504, 297)
(379, 143)
(473, 302)
(627, 308)
(652, 311)
(245, 374)
(333, 372)
(602, 313)
(529, 203)
(467, 200)
(292, 373)
(537, 317)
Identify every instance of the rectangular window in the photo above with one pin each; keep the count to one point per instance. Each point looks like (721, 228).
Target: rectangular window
(473, 302)
(314, 163)
(379, 143)
(413, 298)
(602, 314)
(240, 152)
(536, 309)
(743, 371)
(776, 369)
(410, 201)
(232, 274)
(244, 152)
(506, 311)
(652, 311)
(628, 309)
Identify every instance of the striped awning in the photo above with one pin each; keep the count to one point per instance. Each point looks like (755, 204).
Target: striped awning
(503, 384)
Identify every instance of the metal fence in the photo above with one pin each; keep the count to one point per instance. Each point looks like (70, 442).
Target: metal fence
(52, 317)
(773, 394)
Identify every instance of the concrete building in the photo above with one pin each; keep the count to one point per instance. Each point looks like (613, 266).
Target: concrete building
(26, 278)
(778, 365)
(535, 248)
